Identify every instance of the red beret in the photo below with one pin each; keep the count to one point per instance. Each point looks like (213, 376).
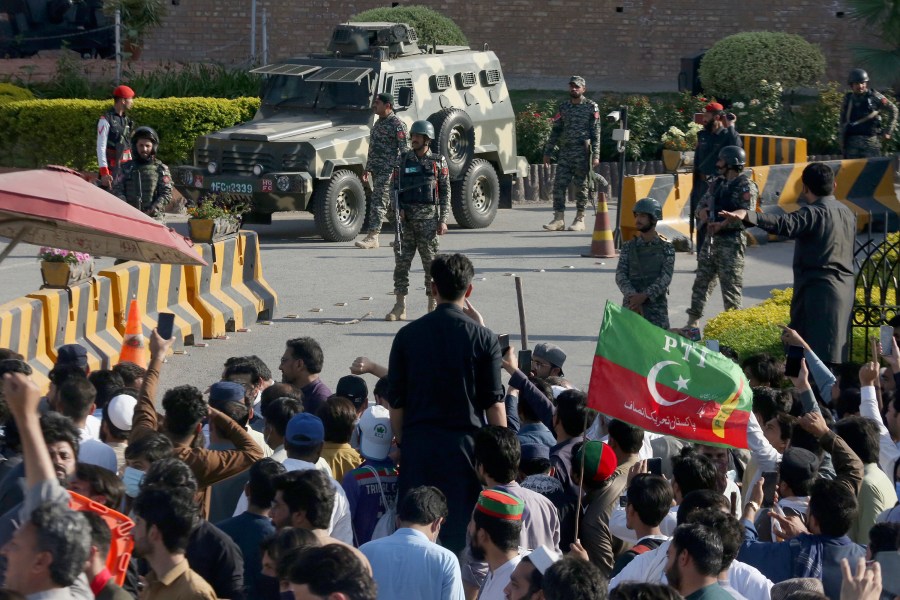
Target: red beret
(714, 107)
(123, 91)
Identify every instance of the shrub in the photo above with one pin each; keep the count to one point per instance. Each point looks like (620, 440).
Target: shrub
(763, 113)
(818, 120)
(39, 132)
(13, 93)
(735, 65)
(431, 26)
(533, 128)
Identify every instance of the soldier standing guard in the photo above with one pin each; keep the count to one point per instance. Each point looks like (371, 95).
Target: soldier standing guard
(646, 264)
(423, 184)
(576, 121)
(723, 249)
(145, 182)
(387, 142)
(861, 125)
(114, 135)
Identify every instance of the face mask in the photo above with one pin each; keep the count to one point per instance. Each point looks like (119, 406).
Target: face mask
(132, 480)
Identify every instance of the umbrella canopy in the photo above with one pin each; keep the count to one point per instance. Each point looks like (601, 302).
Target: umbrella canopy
(56, 207)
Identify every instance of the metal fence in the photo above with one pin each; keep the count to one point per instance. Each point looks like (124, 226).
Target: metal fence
(875, 262)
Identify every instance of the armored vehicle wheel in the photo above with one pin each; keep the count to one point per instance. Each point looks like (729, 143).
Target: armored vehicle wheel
(475, 199)
(339, 206)
(455, 139)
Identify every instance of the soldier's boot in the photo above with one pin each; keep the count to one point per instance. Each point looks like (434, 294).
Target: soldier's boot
(578, 223)
(370, 242)
(558, 223)
(398, 313)
(432, 303)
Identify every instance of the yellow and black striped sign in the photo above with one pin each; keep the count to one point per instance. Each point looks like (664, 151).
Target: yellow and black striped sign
(22, 331)
(773, 149)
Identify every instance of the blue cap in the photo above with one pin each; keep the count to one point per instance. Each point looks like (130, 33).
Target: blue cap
(304, 429)
(222, 392)
(534, 451)
(72, 354)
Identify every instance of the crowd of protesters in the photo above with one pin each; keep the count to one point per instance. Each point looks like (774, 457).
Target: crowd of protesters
(442, 482)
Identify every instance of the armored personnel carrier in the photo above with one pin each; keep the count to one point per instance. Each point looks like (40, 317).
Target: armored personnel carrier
(306, 147)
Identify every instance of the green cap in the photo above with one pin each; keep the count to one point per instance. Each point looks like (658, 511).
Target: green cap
(599, 461)
(500, 505)
(386, 98)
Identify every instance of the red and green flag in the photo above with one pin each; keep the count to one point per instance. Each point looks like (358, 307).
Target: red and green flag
(665, 383)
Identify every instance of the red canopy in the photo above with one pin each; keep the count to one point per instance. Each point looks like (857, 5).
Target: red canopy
(56, 207)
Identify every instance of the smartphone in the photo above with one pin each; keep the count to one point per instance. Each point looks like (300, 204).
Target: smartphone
(503, 338)
(713, 345)
(769, 486)
(623, 501)
(792, 364)
(165, 324)
(654, 466)
(887, 340)
(525, 361)
(700, 118)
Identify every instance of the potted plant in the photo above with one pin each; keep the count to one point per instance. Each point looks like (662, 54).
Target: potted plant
(678, 146)
(64, 268)
(216, 216)
(138, 17)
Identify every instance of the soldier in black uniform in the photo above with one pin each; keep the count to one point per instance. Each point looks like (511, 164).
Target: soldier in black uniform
(861, 124)
(114, 135)
(145, 182)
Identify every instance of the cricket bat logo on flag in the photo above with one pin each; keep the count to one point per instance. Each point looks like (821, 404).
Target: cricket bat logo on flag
(661, 382)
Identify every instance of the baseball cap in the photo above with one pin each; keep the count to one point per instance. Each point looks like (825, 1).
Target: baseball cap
(386, 98)
(304, 429)
(375, 433)
(577, 80)
(500, 505)
(353, 387)
(223, 392)
(552, 354)
(72, 354)
(534, 452)
(123, 91)
(543, 558)
(120, 411)
(714, 107)
(599, 460)
(797, 465)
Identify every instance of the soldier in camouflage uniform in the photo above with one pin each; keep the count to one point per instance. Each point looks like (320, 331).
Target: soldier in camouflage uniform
(646, 264)
(387, 142)
(861, 124)
(722, 254)
(144, 182)
(424, 193)
(576, 121)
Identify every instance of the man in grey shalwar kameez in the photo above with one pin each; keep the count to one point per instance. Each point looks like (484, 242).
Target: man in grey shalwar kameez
(824, 230)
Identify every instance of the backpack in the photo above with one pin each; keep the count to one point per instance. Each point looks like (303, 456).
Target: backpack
(387, 523)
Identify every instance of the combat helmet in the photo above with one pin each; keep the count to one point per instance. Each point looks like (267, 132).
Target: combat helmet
(648, 206)
(423, 128)
(857, 76)
(144, 132)
(733, 156)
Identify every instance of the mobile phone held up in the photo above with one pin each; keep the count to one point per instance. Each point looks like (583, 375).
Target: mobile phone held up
(792, 364)
(165, 325)
(770, 484)
(886, 338)
(654, 466)
(503, 338)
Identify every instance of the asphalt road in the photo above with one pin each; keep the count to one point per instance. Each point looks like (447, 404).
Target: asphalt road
(564, 293)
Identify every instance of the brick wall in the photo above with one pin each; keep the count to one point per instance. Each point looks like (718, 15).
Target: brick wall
(632, 45)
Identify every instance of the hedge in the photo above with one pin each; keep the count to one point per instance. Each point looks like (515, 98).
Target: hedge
(431, 26)
(35, 133)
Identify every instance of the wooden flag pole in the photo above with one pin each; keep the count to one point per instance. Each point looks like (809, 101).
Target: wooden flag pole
(581, 476)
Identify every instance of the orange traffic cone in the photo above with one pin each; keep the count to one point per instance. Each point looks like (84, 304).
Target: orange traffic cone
(602, 244)
(134, 345)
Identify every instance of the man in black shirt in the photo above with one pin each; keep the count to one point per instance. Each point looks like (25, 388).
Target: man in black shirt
(443, 385)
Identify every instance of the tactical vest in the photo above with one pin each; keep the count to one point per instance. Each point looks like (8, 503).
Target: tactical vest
(119, 129)
(417, 181)
(727, 196)
(645, 263)
(140, 185)
(860, 106)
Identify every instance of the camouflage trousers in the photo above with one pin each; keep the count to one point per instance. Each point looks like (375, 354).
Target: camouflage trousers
(724, 262)
(380, 201)
(656, 311)
(567, 173)
(862, 146)
(418, 235)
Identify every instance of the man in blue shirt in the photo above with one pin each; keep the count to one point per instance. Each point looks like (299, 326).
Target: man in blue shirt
(409, 564)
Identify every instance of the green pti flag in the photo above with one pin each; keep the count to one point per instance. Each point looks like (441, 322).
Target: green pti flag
(662, 382)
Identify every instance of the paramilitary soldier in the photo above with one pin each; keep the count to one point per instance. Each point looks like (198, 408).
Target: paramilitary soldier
(722, 254)
(576, 121)
(387, 142)
(144, 182)
(114, 135)
(423, 184)
(861, 124)
(646, 264)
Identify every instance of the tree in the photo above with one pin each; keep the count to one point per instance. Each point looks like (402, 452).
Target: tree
(884, 17)
(431, 26)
